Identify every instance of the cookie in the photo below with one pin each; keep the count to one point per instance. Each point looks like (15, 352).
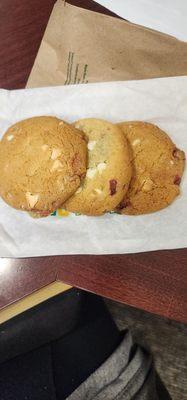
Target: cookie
(109, 169)
(157, 167)
(42, 163)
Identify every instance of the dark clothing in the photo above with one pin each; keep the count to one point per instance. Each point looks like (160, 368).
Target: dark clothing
(70, 348)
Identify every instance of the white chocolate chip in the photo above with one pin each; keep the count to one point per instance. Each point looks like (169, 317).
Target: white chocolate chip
(135, 142)
(91, 172)
(171, 162)
(32, 199)
(56, 165)
(147, 185)
(45, 147)
(79, 190)
(101, 166)
(91, 144)
(55, 154)
(98, 191)
(61, 123)
(10, 195)
(10, 137)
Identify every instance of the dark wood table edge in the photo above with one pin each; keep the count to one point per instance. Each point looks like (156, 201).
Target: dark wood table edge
(124, 284)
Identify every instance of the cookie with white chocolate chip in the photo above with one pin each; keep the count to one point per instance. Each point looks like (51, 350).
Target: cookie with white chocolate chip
(109, 169)
(42, 163)
(157, 169)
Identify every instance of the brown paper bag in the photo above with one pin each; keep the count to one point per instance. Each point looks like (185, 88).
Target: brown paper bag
(81, 46)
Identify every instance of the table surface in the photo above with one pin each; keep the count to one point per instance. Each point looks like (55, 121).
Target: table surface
(154, 281)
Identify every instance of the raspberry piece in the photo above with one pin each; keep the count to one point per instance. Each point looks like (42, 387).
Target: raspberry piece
(177, 180)
(112, 184)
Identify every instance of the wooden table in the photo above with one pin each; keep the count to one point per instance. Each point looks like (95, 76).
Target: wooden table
(154, 281)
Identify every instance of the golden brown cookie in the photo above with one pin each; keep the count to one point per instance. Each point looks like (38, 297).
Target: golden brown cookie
(109, 170)
(157, 169)
(42, 162)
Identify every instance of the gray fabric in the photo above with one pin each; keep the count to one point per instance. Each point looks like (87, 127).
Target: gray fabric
(148, 390)
(127, 374)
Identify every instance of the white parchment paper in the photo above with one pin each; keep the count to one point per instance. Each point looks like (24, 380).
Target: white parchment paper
(161, 101)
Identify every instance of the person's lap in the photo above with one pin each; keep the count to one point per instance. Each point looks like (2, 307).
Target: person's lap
(69, 347)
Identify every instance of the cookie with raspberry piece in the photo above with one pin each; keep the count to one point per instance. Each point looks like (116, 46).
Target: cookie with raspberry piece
(157, 166)
(109, 169)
